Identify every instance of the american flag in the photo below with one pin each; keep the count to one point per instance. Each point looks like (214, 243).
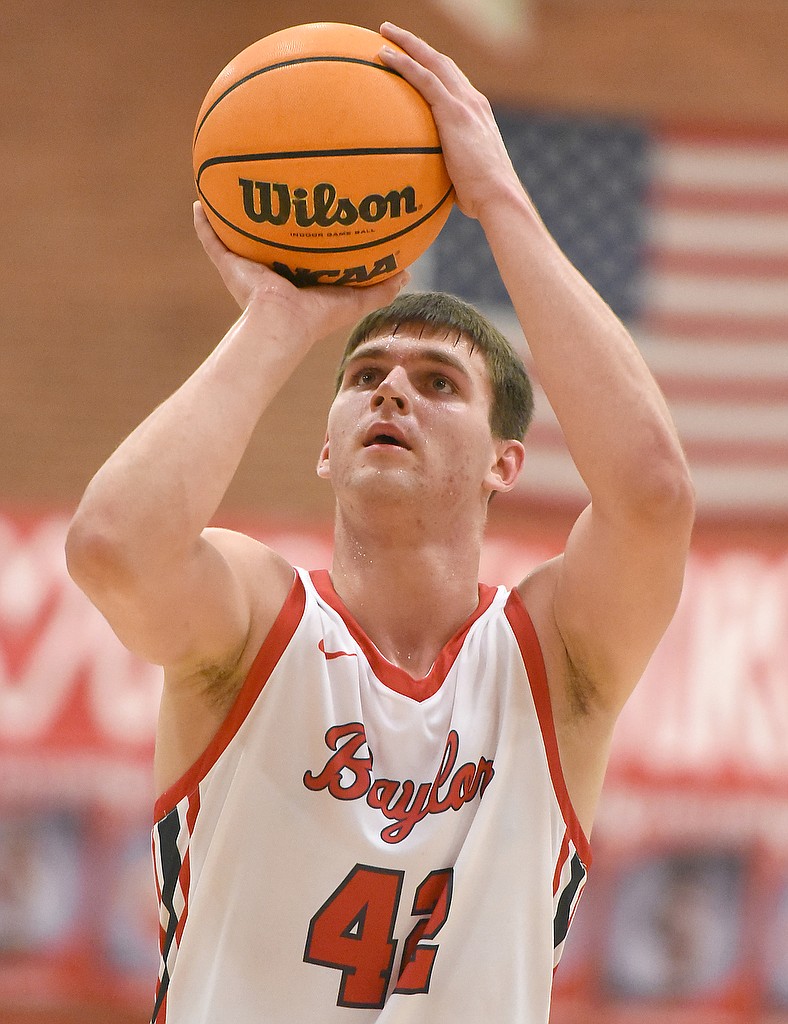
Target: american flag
(685, 234)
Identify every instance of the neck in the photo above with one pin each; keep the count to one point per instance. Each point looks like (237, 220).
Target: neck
(409, 586)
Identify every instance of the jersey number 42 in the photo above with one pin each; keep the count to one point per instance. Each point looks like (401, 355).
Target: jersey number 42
(353, 932)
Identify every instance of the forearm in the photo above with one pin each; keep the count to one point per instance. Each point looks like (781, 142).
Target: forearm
(145, 510)
(615, 421)
(153, 497)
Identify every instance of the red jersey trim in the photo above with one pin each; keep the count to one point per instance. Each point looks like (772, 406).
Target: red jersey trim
(272, 649)
(563, 857)
(531, 652)
(392, 676)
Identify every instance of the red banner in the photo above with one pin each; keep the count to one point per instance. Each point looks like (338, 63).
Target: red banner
(685, 916)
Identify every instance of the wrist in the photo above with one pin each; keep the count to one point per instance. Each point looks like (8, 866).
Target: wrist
(507, 202)
(277, 316)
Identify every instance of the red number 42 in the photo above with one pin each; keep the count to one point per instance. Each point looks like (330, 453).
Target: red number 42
(353, 932)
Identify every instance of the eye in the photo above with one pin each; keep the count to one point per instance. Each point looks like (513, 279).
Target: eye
(441, 383)
(364, 377)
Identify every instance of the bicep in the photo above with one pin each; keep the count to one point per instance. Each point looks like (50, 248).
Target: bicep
(189, 614)
(616, 590)
(192, 616)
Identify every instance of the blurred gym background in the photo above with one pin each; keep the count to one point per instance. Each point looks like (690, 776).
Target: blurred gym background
(653, 135)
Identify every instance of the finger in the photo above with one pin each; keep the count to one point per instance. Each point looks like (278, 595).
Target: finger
(373, 296)
(213, 245)
(420, 77)
(199, 214)
(420, 53)
(357, 302)
(382, 294)
(409, 41)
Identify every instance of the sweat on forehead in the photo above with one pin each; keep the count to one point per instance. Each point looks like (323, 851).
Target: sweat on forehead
(433, 342)
(421, 331)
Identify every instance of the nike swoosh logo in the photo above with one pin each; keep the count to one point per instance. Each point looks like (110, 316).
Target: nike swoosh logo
(335, 654)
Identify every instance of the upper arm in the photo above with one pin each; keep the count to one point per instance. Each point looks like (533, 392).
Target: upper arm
(195, 616)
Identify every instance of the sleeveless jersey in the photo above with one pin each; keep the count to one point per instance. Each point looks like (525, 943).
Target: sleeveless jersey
(356, 845)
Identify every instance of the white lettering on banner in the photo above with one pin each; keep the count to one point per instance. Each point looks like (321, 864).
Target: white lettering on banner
(715, 696)
(713, 702)
(29, 569)
(62, 637)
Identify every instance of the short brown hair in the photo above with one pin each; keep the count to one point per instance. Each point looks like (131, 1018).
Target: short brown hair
(511, 409)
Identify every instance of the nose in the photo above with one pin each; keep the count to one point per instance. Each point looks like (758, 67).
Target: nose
(392, 390)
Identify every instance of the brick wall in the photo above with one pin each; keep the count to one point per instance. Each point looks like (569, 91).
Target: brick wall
(106, 300)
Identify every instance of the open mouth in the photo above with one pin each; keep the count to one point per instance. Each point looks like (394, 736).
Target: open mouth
(385, 439)
(385, 435)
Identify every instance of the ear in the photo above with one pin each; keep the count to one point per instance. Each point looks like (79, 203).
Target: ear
(509, 458)
(323, 470)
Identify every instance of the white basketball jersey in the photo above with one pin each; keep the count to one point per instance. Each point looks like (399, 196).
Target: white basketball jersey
(357, 845)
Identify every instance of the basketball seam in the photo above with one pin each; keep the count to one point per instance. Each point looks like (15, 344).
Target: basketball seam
(333, 249)
(305, 154)
(285, 64)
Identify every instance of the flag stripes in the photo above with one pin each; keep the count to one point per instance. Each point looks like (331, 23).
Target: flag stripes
(684, 231)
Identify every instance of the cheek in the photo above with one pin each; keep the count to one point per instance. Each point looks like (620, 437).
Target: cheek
(341, 420)
(466, 452)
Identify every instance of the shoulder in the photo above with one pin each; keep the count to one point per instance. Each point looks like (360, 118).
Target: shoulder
(262, 572)
(254, 582)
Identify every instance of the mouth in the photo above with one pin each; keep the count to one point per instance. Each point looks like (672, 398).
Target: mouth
(385, 438)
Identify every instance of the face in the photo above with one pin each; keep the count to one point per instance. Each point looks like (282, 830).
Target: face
(411, 422)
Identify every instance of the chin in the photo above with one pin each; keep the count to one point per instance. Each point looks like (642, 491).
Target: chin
(376, 486)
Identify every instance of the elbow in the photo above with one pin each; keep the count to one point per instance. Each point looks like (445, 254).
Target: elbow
(664, 490)
(655, 485)
(95, 559)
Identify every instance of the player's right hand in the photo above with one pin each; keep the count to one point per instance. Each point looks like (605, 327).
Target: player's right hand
(317, 310)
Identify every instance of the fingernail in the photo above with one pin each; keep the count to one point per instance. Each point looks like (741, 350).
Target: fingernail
(387, 51)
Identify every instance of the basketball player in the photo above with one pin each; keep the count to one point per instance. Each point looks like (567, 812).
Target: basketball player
(376, 784)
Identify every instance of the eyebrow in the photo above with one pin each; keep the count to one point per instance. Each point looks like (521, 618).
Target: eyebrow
(425, 355)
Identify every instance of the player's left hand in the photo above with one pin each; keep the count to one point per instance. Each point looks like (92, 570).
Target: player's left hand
(475, 154)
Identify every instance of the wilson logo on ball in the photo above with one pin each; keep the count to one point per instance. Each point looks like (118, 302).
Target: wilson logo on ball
(267, 202)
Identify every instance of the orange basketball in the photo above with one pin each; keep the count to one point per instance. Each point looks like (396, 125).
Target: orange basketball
(313, 157)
